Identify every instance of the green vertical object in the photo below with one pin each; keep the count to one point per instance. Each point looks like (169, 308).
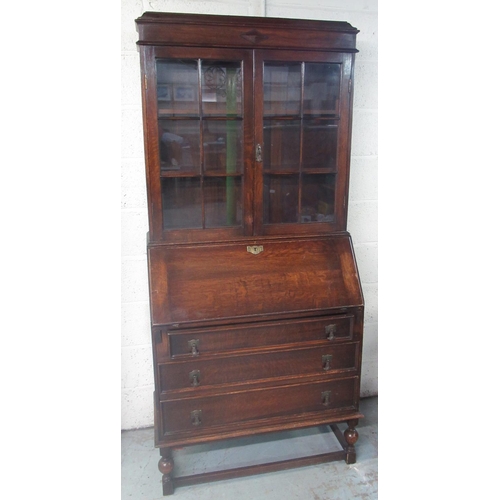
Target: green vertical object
(231, 144)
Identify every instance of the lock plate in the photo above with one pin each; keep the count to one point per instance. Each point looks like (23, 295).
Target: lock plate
(258, 153)
(255, 249)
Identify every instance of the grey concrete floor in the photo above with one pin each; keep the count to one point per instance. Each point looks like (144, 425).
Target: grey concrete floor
(141, 479)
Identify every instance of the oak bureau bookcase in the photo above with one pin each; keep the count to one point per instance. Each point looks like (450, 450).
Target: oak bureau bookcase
(256, 303)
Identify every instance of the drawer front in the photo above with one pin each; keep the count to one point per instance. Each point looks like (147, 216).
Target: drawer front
(199, 413)
(199, 341)
(198, 372)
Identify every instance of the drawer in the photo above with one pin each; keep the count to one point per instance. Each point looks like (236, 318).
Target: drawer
(197, 372)
(196, 414)
(212, 340)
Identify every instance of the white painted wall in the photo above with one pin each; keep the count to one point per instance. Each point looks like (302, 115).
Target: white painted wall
(137, 372)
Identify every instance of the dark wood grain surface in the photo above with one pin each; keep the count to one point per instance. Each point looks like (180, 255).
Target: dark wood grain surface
(209, 282)
(256, 336)
(250, 342)
(231, 408)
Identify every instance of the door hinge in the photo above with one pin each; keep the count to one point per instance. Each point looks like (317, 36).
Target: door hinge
(349, 86)
(145, 82)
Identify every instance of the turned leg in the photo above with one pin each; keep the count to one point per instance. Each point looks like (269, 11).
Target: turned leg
(166, 466)
(351, 436)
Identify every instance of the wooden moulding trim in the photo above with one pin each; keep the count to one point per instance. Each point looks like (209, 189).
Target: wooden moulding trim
(227, 328)
(282, 424)
(227, 45)
(221, 31)
(250, 240)
(233, 320)
(175, 327)
(239, 21)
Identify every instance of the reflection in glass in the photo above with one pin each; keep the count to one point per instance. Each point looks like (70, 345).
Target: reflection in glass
(177, 87)
(320, 144)
(181, 201)
(281, 198)
(321, 88)
(222, 146)
(282, 85)
(222, 201)
(317, 198)
(221, 88)
(179, 144)
(281, 144)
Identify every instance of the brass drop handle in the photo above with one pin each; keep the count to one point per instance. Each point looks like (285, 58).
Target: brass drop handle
(330, 331)
(193, 346)
(326, 398)
(194, 378)
(326, 360)
(196, 417)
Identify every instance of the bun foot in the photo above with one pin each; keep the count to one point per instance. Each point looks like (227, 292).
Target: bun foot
(166, 467)
(351, 436)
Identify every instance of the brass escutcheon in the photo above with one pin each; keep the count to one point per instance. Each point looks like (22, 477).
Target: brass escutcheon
(255, 249)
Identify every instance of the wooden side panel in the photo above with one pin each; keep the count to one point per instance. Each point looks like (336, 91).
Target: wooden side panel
(210, 282)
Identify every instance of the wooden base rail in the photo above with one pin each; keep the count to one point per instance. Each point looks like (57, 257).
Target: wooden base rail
(347, 439)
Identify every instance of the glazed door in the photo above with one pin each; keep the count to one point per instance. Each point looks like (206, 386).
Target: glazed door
(302, 103)
(243, 142)
(201, 142)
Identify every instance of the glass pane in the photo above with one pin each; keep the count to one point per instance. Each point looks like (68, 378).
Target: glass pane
(282, 84)
(222, 201)
(181, 201)
(320, 144)
(318, 198)
(281, 193)
(179, 145)
(222, 146)
(282, 144)
(321, 88)
(177, 87)
(221, 88)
